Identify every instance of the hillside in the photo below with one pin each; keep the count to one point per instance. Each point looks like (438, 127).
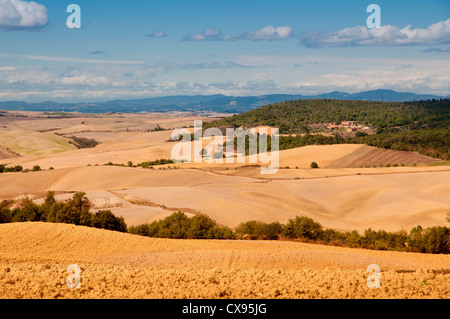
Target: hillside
(294, 116)
(34, 258)
(422, 126)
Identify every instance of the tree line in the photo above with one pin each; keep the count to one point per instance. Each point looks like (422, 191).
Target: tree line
(74, 211)
(434, 240)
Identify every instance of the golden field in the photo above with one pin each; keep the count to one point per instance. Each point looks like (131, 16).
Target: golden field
(34, 258)
(343, 194)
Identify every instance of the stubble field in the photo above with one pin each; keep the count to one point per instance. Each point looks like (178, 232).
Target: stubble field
(340, 195)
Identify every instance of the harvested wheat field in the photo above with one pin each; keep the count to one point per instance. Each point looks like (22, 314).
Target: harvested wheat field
(353, 202)
(368, 156)
(34, 258)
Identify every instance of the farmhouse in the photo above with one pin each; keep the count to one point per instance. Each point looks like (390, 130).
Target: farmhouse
(349, 124)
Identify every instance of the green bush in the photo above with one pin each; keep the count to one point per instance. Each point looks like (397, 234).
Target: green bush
(260, 230)
(302, 227)
(434, 240)
(81, 142)
(105, 219)
(314, 165)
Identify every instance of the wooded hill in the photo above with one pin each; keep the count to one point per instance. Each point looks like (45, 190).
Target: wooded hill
(422, 126)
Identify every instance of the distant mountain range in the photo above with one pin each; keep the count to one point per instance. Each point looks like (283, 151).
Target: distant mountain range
(216, 103)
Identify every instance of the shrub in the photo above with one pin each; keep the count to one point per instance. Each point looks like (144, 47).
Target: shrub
(218, 232)
(5, 212)
(260, 230)
(28, 211)
(17, 168)
(352, 239)
(314, 165)
(81, 142)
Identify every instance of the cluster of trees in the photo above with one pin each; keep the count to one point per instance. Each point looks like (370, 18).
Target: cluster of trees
(155, 163)
(81, 142)
(422, 126)
(435, 240)
(179, 226)
(15, 169)
(19, 168)
(144, 164)
(74, 211)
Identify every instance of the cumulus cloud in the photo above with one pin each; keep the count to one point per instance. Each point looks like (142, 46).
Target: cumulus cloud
(22, 15)
(387, 35)
(266, 33)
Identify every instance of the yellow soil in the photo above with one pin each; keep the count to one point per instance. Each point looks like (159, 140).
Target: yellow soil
(34, 258)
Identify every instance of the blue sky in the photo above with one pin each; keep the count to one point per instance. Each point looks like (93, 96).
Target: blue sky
(140, 49)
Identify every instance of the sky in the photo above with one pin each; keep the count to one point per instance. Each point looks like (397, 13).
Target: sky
(140, 49)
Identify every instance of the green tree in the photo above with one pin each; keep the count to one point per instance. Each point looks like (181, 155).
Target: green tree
(199, 227)
(175, 226)
(79, 202)
(302, 227)
(27, 212)
(314, 165)
(105, 219)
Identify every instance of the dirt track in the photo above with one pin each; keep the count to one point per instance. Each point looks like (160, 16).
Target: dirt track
(114, 265)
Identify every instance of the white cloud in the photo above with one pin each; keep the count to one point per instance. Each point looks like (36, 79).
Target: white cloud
(267, 74)
(387, 35)
(20, 15)
(158, 35)
(210, 34)
(76, 60)
(266, 33)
